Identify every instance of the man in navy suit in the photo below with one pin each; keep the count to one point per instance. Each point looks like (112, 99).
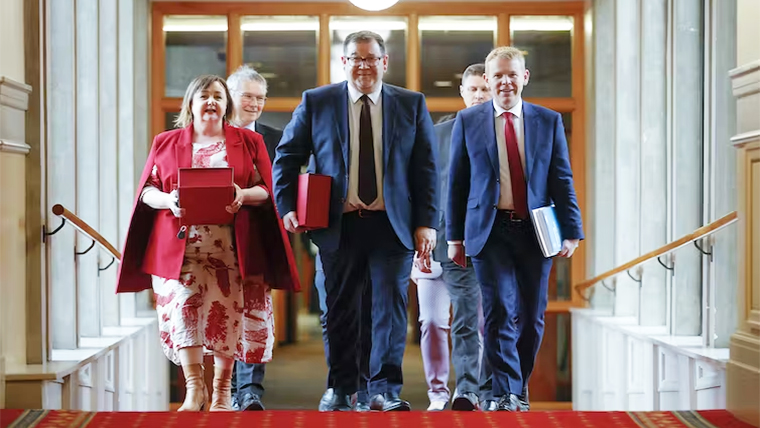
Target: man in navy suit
(377, 143)
(249, 93)
(508, 157)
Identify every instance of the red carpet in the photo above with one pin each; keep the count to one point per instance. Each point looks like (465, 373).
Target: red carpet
(286, 419)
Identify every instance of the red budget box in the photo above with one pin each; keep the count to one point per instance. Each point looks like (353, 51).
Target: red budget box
(313, 205)
(205, 193)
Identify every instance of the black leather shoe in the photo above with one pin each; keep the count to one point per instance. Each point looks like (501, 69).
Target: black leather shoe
(339, 403)
(388, 402)
(361, 406)
(524, 403)
(376, 402)
(508, 403)
(466, 402)
(326, 399)
(488, 405)
(251, 402)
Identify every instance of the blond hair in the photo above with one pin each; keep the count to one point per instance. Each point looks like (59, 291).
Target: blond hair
(505, 52)
(185, 116)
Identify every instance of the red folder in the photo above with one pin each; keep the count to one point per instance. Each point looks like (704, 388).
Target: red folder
(205, 193)
(313, 206)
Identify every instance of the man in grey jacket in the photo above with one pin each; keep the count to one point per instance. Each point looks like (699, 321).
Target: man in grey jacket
(473, 376)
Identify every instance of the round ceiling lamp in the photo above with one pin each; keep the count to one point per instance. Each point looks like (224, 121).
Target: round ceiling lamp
(373, 5)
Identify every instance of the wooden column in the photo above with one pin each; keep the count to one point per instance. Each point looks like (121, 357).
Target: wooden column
(413, 53)
(743, 368)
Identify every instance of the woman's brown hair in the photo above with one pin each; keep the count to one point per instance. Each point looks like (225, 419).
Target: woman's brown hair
(185, 116)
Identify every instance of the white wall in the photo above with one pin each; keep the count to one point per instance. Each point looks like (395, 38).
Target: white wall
(12, 39)
(12, 233)
(621, 366)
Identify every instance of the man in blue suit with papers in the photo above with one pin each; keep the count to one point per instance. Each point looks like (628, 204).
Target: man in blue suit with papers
(507, 158)
(377, 143)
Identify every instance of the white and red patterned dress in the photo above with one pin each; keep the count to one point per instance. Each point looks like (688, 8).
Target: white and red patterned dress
(210, 305)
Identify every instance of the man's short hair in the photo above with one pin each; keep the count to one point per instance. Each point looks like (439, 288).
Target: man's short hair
(364, 37)
(474, 70)
(245, 73)
(506, 52)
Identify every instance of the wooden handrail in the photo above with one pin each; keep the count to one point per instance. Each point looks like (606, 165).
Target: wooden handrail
(85, 228)
(697, 234)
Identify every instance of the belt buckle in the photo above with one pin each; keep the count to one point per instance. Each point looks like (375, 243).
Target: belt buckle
(514, 218)
(361, 213)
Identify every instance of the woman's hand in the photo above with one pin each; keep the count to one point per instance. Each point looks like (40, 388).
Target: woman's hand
(159, 200)
(172, 203)
(238, 201)
(256, 195)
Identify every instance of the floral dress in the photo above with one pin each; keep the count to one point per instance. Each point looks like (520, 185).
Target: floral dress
(210, 305)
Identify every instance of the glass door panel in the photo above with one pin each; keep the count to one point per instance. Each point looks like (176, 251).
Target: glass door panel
(195, 45)
(546, 42)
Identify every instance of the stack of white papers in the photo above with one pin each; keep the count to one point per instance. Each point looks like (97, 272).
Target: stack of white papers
(547, 230)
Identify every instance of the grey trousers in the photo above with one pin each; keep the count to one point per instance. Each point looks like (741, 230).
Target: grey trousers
(473, 374)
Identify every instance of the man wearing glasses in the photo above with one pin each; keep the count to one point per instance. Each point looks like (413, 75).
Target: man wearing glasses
(377, 143)
(249, 93)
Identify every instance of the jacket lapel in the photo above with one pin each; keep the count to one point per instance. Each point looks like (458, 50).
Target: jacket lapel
(183, 150)
(389, 122)
(341, 120)
(235, 154)
(489, 124)
(530, 129)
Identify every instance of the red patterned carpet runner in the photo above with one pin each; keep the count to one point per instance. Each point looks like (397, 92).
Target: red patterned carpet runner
(287, 419)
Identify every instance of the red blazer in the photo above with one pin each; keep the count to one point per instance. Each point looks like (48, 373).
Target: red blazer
(152, 246)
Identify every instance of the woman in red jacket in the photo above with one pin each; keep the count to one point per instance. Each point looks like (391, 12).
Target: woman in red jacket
(212, 282)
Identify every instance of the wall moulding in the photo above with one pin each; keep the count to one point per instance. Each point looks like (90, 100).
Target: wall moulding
(745, 80)
(14, 94)
(14, 147)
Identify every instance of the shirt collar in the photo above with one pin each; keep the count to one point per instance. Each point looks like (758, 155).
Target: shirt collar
(516, 110)
(251, 126)
(354, 94)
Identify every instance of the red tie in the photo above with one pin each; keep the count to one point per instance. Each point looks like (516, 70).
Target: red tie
(519, 188)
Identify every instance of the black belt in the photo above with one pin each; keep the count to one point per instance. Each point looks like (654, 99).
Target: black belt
(362, 213)
(512, 216)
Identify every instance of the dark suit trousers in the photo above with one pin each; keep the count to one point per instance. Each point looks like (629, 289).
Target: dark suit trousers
(248, 378)
(368, 245)
(514, 280)
(365, 333)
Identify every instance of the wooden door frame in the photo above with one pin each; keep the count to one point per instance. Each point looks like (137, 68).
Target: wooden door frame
(412, 11)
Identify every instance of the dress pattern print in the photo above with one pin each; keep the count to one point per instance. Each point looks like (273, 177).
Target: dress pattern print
(210, 305)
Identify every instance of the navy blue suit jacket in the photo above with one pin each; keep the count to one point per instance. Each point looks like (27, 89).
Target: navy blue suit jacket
(410, 178)
(474, 173)
(443, 133)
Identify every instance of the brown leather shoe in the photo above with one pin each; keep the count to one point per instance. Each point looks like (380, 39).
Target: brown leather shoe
(196, 394)
(221, 398)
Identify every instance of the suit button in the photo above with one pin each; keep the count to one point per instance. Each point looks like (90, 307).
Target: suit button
(497, 180)
(342, 200)
(494, 207)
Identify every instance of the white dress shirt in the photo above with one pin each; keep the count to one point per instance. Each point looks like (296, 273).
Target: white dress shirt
(251, 126)
(353, 202)
(505, 180)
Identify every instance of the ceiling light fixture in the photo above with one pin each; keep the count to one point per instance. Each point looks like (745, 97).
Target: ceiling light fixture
(373, 5)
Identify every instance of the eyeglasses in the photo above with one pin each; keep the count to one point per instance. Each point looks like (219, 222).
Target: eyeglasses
(369, 61)
(248, 97)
